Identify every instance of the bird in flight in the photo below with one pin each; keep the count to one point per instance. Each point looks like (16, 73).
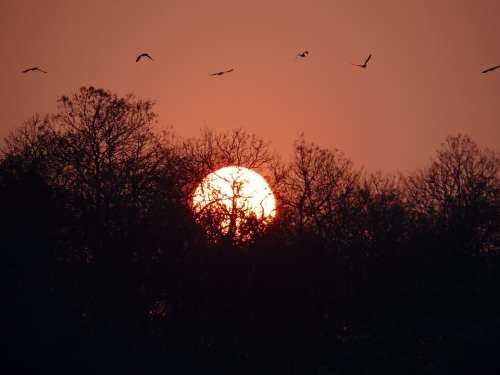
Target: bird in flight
(143, 55)
(490, 69)
(221, 73)
(302, 54)
(365, 63)
(36, 68)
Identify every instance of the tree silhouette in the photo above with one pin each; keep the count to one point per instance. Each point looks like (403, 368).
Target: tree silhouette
(459, 193)
(211, 152)
(316, 189)
(109, 266)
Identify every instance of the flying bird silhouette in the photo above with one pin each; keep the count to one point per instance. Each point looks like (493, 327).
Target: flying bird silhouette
(490, 69)
(302, 54)
(365, 63)
(143, 55)
(36, 68)
(221, 73)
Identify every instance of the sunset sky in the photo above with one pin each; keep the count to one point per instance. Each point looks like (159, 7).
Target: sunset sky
(423, 82)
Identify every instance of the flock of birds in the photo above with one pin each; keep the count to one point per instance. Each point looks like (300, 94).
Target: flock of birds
(303, 54)
(147, 55)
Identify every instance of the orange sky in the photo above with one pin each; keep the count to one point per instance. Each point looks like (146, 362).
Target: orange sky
(423, 82)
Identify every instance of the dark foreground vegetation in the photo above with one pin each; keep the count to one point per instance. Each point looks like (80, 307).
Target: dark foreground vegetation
(107, 269)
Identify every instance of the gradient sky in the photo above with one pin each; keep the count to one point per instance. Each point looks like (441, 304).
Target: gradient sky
(422, 84)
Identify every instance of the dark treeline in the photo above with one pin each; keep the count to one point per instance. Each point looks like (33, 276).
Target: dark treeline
(108, 269)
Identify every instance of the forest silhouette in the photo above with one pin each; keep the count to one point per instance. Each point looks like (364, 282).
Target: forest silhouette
(109, 270)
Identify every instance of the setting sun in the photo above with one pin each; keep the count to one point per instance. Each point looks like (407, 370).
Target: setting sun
(234, 194)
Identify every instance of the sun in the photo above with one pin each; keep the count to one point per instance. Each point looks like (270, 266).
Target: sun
(232, 197)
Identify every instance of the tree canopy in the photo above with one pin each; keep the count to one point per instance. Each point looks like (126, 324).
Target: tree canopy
(108, 266)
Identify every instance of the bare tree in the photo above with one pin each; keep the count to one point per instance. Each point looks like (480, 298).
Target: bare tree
(31, 145)
(381, 214)
(232, 203)
(101, 151)
(211, 152)
(316, 188)
(109, 148)
(459, 191)
(214, 150)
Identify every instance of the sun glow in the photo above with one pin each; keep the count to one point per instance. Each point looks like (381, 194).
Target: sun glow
(233, 195)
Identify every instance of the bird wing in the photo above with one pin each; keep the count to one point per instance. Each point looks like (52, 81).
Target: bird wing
(43, 71)
(138, 58)
(27, 70)
(147, 55)
(358, 65)
(490, 69)
(229, 71)
(367, 59)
